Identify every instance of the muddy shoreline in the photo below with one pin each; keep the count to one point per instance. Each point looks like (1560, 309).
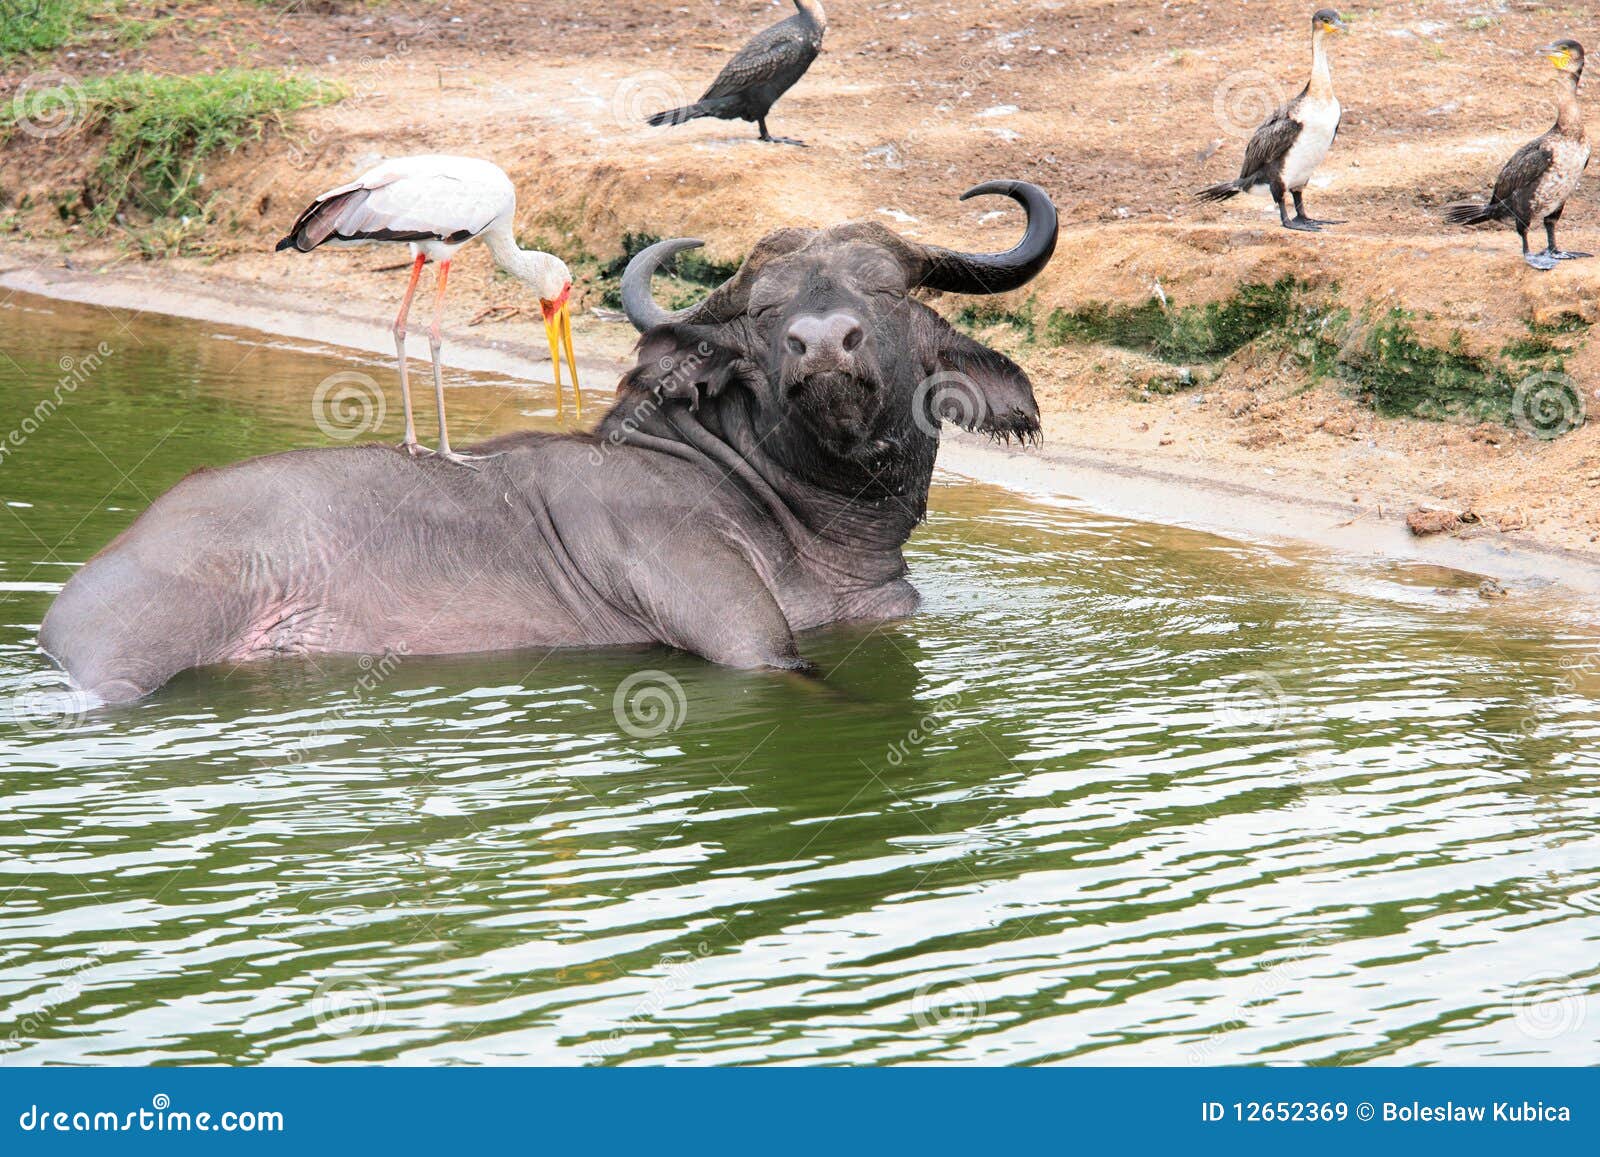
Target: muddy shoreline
(1109, 481)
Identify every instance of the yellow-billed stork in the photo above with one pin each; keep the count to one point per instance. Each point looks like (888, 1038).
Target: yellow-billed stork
(437, 204)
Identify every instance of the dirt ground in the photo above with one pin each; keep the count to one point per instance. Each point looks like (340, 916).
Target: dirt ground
(1121, 110)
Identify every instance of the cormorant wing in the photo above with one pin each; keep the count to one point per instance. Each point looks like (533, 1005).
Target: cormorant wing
(1272, 140)
(1522, 172)
(767, 55)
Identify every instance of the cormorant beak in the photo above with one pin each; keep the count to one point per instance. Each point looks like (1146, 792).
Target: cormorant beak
(1557, 55)
(1337, 24)
(558, 332)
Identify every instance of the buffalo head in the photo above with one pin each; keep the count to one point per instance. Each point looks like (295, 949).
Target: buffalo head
(837, 369)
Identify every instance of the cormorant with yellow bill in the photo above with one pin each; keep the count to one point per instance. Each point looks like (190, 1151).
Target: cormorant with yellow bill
(1542, 174)
(1292, 142)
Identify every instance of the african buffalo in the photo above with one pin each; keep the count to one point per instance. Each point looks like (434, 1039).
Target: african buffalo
(765, 461)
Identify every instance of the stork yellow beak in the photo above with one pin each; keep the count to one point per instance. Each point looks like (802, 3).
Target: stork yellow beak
(558, 332)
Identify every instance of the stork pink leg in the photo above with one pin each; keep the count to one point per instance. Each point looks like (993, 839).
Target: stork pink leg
(435, 341)
(409, 442)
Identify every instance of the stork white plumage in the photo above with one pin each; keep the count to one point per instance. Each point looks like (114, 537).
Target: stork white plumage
(437, 204)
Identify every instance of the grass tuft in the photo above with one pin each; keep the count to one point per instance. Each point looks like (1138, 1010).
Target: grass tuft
(160, 130)
(36, 26)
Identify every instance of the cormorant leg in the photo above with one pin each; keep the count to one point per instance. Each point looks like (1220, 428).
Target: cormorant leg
(1551, 250)
(1299, 223)
(408, 443)
(1540, 261)
(772, 140)
(435, 341)
(1300, 212)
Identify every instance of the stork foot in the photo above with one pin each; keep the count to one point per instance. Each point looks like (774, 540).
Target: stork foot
(415, 449)
(466, 460)
(1303, 225)
(1541, 261)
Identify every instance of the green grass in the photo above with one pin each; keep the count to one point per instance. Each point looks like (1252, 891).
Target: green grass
(685, 279)
(1187, 333)
(159, 131)
(36, 26)
(1377, 353)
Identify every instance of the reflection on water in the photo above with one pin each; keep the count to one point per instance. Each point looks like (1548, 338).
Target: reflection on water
(1120, 794)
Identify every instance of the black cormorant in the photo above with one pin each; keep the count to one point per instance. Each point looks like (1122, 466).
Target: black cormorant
(762, 71)
(1292, 142)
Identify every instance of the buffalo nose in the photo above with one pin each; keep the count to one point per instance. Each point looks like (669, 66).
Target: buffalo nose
(824, 340)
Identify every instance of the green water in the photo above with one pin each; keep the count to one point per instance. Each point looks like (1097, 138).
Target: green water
(1120, 794)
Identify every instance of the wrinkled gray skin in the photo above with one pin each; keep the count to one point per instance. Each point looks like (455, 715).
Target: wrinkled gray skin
(766, 460)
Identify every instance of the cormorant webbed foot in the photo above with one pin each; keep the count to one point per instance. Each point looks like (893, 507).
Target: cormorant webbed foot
(1303, 225)
(1567, 254)
(1540, 261)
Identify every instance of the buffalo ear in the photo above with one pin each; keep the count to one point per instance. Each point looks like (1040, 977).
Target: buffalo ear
(681, 362)
(978, 388)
